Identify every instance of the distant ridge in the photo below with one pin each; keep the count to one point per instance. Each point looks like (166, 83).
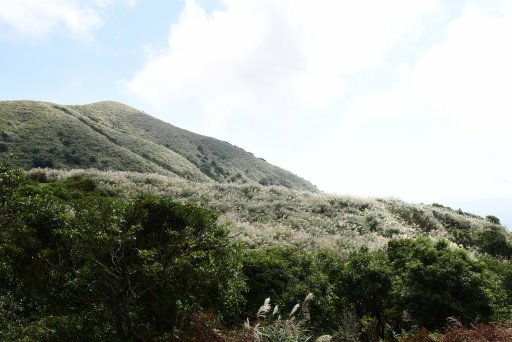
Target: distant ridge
(113, 136)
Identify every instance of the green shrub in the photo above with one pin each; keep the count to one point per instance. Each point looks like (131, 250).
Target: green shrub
(493, 219)
(434, 281)
(494, 242)
(81, 184)
(106, 269)
(365, 284)
(288, 273)
(42, 162)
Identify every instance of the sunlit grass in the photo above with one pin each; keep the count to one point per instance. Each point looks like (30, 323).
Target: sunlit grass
(272, 215)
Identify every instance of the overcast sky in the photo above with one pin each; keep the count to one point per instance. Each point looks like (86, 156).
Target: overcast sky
(396, 98)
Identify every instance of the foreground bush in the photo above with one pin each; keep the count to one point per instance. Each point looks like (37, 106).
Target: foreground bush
(78, 263)
(433, 281)
(103, 269)
(288, 273)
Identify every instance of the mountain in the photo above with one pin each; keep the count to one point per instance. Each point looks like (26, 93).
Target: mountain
(135, 152)
(113, 136)
(200, 220)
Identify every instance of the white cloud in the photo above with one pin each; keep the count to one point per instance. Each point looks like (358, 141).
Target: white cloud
(277, 77)
(443, 131)
(469, 76)
(261, 58)
(35, 19)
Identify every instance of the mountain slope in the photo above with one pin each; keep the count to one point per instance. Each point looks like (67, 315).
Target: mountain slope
(113, 136)
(271, 215)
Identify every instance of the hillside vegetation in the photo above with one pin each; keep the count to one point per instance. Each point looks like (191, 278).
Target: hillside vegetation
(115, 226)
(272, 215)
(121, 256)
(113, 136)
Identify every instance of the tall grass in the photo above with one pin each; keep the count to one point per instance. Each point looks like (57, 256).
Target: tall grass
(272, 215)
(291, 327)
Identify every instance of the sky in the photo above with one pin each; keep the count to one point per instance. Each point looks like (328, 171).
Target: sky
(397, 98)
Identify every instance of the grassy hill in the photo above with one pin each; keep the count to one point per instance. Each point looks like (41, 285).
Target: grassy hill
(110, 236)
(124, 256)
(113, 136)
(274, 215)
(264, 204)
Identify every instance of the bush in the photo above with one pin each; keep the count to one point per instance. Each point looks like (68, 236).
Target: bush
(434, 281)
(81, 184)
(41, 162)
(494, 242)
(289, 273)
(105, 269)
(365, 284)
(493, 219)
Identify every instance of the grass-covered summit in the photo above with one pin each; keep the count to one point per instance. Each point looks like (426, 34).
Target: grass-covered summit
(114, 136)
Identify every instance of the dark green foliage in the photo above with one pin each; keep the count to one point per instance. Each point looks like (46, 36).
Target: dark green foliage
(3, 148)
(287, 274)
(40, 161)
(501, 286)
(263, 181)
(433, 282)
(213, 170)
(106, 269)
(161, 262)
(4, 136)
(365, 284)
(38, 176)
(276, 273)
(413, 283)
(72, 158)
(494, 242)
(81, 184)
(79, 263)
(493, 219)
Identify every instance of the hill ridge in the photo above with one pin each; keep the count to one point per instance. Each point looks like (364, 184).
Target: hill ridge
(109, 135)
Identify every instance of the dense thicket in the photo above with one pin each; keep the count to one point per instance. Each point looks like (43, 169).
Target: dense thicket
(78, 263)
(97, 268)
(412, 283)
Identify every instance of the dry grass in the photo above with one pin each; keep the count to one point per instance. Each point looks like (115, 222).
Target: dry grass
(272, 215)
(275, 328)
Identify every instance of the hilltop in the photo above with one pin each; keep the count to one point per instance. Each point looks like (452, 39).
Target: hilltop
(113, 136)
